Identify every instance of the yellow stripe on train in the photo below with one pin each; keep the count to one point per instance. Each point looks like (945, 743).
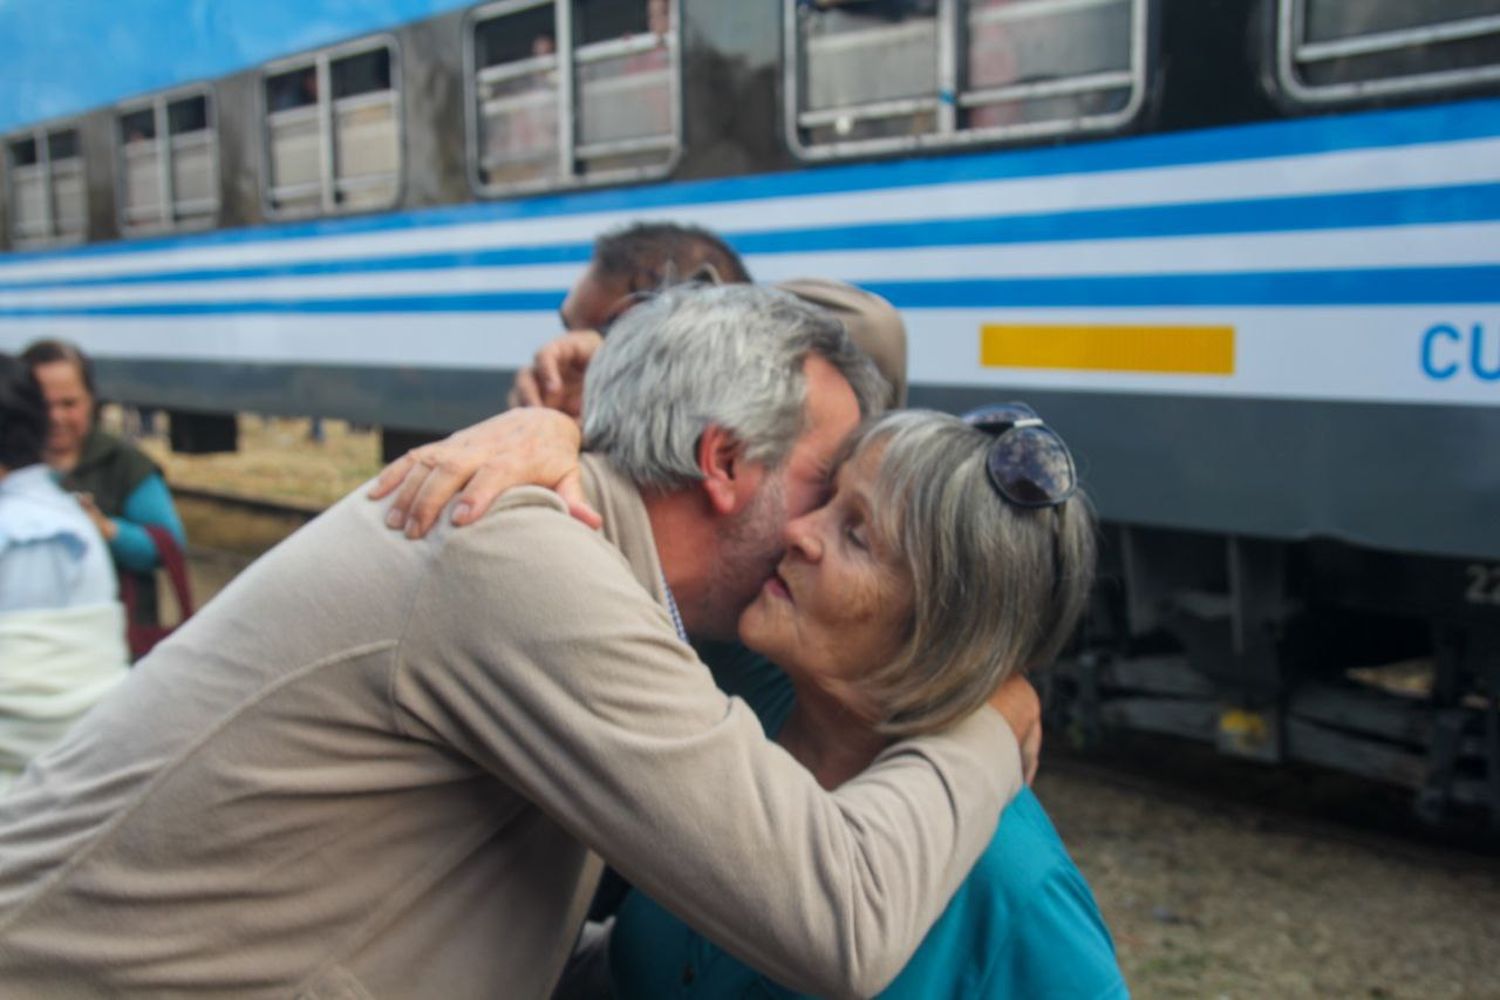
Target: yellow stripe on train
(1180, 350)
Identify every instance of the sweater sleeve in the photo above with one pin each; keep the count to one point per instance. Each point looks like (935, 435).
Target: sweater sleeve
(579, 694)
(148, 503)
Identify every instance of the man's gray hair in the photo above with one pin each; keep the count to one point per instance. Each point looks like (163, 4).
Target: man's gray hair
(996, 588)
(693, 356)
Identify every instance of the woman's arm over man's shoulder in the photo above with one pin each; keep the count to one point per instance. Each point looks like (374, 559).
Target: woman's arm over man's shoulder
(672, 784)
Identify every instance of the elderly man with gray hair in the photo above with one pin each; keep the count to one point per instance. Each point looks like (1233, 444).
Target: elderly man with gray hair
(374, 767)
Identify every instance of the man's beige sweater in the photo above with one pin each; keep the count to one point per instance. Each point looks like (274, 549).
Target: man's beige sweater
(379, 768)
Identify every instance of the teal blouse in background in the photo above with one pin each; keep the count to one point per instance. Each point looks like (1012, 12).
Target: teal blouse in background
(1023, 924)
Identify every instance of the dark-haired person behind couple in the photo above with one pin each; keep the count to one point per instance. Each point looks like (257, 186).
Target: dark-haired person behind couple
(62, 633)
(627, 261)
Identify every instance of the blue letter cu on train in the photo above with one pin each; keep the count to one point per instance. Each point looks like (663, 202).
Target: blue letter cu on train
(1451, 350)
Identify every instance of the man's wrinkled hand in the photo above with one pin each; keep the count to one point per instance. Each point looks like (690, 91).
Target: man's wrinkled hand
(525, 447)
(1017, 701)
(555, 378)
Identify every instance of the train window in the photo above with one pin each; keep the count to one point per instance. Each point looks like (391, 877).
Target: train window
(572, 92)
(869, 70)
(367, 136)
(516, 96)
(623, 64)
(869, 76)
(1331, 51)
(47, 192)
(188, 115)
(333, 131)
(62, 145)
(23, 153)
(168, 164)
(193, 163)
(295, 142)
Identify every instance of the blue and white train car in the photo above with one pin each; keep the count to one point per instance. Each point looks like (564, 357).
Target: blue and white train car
(1244, 254)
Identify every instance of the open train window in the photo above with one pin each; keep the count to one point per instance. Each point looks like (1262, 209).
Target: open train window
(168, 162)
(46, 190)
(569, 92)
(1336, 51)
(872, 76)
(333, 130)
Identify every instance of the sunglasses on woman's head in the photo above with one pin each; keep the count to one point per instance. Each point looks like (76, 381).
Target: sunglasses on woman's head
(1028, 464)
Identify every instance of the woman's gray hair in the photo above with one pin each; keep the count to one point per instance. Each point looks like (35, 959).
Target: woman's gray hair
(996, 588)
(692, 356)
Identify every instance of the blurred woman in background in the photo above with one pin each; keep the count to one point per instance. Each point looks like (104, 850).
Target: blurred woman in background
(62, 633)
(120, 488)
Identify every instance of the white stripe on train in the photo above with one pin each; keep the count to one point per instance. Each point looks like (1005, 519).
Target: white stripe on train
(1416, 166)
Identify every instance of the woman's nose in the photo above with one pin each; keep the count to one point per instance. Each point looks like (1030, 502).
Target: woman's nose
(802, 536)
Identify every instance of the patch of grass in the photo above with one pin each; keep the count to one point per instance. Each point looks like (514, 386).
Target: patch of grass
(277, 461)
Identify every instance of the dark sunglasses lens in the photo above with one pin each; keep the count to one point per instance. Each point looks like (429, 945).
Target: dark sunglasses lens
(1031, 467)
(999, 416)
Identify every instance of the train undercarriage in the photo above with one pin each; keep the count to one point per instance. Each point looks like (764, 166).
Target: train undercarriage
(1373, 664)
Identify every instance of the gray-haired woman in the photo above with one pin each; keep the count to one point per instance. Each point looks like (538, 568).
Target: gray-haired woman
(952, 554)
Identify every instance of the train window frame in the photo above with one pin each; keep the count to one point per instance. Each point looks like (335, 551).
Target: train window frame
(325, 107)
(1291, 51)
(949, 98)
(173, 213)
(40, 135)
(566, 61)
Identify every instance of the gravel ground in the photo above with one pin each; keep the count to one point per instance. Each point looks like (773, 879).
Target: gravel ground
(1216, 901)
(1205, 900)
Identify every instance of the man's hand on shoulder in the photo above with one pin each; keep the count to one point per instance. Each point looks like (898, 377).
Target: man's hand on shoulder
(531, 446)
(1017, 701)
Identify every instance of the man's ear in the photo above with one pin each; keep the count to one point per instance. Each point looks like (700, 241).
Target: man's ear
(726, 484)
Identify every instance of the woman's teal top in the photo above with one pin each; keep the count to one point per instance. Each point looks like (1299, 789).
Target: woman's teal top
(1023, 924)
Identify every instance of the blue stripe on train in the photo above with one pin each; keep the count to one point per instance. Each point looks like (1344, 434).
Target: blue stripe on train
(1381, 286)
(1412, 207)
(1413, 126)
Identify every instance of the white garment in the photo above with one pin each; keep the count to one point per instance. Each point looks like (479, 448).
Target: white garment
(51, 555)
(54, 666)
(62, 633)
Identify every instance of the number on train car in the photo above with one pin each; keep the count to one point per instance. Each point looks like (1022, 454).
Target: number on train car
(1484, 584)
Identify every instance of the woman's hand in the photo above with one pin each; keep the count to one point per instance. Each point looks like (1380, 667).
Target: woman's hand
(555, 378)
(1017, 701)
(529, 446)
(106, 525)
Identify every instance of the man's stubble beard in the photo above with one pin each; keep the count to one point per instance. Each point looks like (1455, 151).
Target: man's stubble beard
(750, 547)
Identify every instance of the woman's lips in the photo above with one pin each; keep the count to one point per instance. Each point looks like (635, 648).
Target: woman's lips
(777, 587)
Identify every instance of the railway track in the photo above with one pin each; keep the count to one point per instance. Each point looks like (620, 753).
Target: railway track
(253, 505)
(1300, 799)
